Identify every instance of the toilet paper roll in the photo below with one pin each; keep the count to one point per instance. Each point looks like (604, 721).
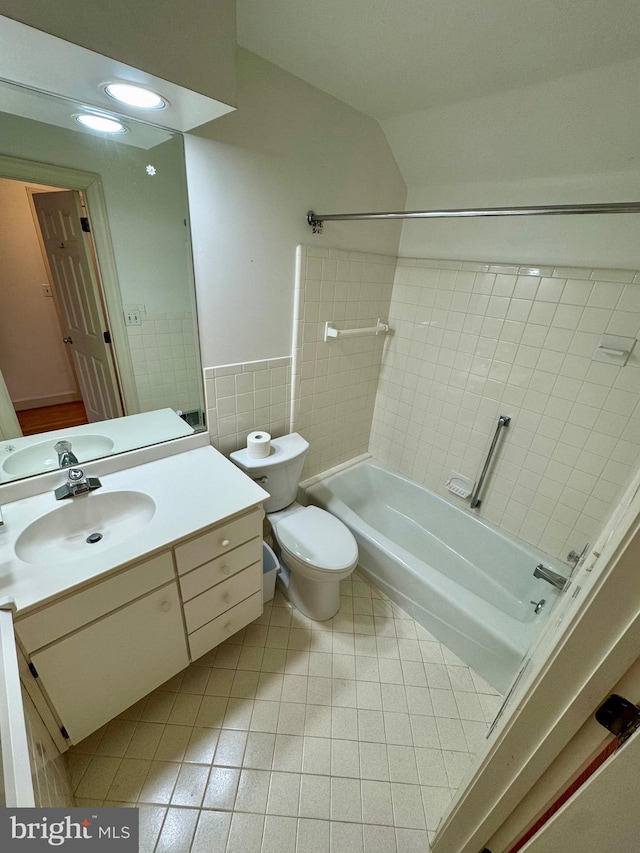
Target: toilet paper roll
(258, 444)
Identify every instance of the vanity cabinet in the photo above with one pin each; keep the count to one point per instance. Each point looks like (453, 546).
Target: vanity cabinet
(101, 650)
(106, 646)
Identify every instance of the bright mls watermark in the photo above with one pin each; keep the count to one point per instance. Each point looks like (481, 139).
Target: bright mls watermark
(35, 830)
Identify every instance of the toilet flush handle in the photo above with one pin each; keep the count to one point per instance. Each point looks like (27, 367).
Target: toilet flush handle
(261, 480)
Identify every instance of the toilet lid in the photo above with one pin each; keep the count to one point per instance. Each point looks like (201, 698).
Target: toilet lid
(318, 538)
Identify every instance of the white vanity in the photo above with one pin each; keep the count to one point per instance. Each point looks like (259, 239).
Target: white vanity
(177, 569)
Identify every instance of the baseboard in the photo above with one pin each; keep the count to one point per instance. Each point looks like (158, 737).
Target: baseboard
(39, 402)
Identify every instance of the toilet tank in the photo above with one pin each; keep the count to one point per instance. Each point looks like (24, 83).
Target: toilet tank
(282, 469)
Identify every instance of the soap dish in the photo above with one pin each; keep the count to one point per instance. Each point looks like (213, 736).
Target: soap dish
(460, 485)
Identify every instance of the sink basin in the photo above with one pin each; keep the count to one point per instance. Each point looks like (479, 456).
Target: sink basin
(85, 525)
(41, 457)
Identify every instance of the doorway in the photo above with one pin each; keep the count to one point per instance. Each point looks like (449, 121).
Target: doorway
(54, 355)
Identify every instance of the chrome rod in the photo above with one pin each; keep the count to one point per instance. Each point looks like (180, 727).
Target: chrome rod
(503, 421)
(315, 220)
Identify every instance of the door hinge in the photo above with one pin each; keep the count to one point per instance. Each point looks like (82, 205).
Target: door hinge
(33, 670)
(84, 224)
(107, 336)
(619, 716)
(64, 732)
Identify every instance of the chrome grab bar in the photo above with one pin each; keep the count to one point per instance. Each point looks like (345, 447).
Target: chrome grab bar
(503, 421)
(16, 764)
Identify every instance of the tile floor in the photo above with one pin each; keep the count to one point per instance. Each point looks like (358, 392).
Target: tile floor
(348, 736)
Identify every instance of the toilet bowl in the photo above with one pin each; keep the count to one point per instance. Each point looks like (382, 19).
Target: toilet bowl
(317, 550)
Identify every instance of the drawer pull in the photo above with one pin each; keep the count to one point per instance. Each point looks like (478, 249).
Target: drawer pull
(166, 606)
(229, 628)
(225, 543)
(226, 570)
(227, 597)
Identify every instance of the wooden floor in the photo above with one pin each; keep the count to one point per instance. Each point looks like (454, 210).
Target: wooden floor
(64, 415)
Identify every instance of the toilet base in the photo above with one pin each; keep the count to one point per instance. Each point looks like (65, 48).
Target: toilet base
(319, 600)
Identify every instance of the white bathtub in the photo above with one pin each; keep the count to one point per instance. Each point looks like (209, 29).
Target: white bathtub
(466, 581)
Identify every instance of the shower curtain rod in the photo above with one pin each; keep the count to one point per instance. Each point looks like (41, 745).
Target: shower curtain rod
(316, 220)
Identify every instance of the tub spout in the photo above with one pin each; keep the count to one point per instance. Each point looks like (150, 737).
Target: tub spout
(548, 575)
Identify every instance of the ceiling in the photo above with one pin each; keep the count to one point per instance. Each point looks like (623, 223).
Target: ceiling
(392, 57)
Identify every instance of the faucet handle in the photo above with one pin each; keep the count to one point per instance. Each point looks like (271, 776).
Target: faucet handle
(75, 475)
(62, 446)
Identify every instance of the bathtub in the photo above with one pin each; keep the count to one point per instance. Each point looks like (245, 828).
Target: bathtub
(467, 582)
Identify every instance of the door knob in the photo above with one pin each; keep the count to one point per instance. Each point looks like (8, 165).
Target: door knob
(67, 340)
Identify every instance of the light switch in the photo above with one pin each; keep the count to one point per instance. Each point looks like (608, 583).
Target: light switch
(132, 317)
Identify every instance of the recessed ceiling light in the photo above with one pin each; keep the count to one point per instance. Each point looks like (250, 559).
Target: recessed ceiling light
(103, 124)
(135, 96)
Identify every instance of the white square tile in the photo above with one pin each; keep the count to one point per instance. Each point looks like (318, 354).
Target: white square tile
(346, 800)
(284, 794)
(315, 797)
(279, 835)
(313, 835)
(345, 758)
(246, 832)
(253, 790)
(379, 839)
(408, 809)
(346, 837)
(177, 831)
(287, 754)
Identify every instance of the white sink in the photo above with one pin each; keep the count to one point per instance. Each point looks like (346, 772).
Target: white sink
(41, 457)
(83, 525)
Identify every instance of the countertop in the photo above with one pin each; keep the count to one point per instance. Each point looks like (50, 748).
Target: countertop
(192, 491)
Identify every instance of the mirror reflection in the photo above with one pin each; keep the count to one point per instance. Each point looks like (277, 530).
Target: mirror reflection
(98, 331)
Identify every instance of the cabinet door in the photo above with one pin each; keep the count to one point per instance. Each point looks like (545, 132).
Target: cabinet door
(93, 675)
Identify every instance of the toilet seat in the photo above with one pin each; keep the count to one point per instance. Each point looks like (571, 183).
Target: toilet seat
(318, 539)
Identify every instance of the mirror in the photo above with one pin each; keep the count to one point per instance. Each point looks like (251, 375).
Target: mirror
(98, 327)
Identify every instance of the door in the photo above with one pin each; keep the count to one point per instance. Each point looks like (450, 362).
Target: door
(95, 674)
(603, 815)
(74, 277)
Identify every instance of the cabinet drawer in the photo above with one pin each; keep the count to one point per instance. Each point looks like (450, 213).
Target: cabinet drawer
(224, 538)
(220, 629)
(220, 569)
(83, 607)
(221, 597)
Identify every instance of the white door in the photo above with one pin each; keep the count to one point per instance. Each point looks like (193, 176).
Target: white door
(603, 816)
(93, 675)
(74, 277)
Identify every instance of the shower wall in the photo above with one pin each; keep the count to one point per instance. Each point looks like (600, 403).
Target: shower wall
(472, 341)
(335, 381)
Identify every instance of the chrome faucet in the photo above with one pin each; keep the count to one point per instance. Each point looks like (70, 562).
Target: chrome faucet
(548, 575)
(77, 484)
(65, 457)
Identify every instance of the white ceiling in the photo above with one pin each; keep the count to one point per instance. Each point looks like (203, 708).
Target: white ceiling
(392, 57)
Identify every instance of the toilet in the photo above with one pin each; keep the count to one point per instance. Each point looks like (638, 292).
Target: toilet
(317, 550)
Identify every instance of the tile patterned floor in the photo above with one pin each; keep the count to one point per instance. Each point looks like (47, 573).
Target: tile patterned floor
(347, 736)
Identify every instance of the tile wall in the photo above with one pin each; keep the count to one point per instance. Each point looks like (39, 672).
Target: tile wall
(165, 363)
(473, 341)
(241, 398)
(335, 382)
